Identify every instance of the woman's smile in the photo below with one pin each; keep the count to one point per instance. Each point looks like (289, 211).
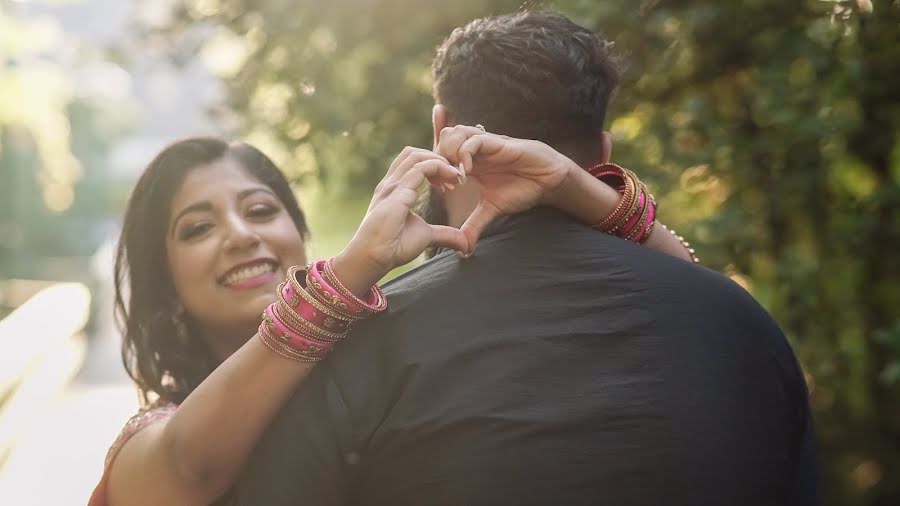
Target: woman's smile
(252, 274)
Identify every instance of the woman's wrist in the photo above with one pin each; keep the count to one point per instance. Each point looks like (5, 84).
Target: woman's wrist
(584, 197)
(357, 271)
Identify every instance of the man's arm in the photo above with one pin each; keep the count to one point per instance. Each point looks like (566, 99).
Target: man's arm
(306, 456)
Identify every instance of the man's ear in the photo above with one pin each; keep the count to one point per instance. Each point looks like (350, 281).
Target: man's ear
(605, 147)
(438, 121)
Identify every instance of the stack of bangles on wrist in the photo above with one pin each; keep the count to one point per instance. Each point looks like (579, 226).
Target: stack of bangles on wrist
(634, 219)
(313, 312)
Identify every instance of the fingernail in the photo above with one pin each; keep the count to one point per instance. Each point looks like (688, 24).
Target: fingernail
(450, 186)
(462, 174)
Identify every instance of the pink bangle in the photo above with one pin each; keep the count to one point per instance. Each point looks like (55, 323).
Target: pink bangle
(627, 187)
(277, 328)
(304, 327)
(312, 313)
(641, 223)
(322, 291)
(304, 283)
(317, 315)
(325, 283)
(632, 220)
(375, 301)
(648, 227)
(635, 215)
(280, 348)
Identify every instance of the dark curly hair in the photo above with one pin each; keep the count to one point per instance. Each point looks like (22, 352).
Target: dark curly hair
(160, 348)
(531, 75)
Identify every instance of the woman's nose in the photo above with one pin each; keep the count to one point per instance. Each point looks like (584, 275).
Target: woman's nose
(241, 234)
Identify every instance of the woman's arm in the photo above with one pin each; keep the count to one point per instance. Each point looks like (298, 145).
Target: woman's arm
(517, 174)
(193, 456)
(590, 200)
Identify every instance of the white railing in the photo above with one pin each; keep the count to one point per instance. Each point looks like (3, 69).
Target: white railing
(41, 349)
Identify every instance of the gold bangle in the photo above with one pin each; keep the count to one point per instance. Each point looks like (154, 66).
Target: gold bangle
(369, 309)
(278, 349)
(649, 232)
(329, 299)
(298, 323)
(652, 226)
(639, 224)
(284, 339)
(635, 206)
(293, 316)
(321, 295)
(283, 343)
(625, 203)
(331, 311)
(309, 296)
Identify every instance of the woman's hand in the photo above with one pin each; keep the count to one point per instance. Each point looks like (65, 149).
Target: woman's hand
(515, 174)
(391, 234)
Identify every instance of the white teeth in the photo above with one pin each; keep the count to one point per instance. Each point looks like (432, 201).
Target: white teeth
(248, 273)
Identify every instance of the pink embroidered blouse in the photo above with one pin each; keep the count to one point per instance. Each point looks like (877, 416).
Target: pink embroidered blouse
(136, 423)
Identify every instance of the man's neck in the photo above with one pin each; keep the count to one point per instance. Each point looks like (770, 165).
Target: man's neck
(460, 202)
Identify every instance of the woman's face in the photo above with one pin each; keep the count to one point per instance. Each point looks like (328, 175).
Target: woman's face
(230, 242)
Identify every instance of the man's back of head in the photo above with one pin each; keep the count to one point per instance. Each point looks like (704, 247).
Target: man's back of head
(530, 75)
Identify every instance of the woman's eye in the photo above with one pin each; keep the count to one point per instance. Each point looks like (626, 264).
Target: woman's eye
(192, 231)
(261, 211)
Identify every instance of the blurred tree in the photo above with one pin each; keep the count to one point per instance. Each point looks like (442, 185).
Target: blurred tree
(53, 193)
(330, 90)
(769, 128)
(33, 95)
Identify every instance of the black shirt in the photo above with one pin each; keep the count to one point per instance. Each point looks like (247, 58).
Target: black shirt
(558, 365)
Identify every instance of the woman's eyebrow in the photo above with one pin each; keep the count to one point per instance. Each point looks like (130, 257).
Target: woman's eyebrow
(198, 206)
(250, 191)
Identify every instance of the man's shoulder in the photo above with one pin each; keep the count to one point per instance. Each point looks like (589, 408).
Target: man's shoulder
(420, 277)
(549, 243)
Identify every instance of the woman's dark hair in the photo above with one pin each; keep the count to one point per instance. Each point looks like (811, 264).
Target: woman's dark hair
(160, 348)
